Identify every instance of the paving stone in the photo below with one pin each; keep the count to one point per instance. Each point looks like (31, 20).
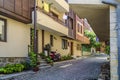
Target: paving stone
(80, 69)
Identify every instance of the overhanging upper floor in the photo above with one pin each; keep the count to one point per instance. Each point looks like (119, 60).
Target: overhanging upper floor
(47, 22)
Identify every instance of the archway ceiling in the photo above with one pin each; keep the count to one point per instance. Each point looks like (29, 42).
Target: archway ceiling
(97, 16)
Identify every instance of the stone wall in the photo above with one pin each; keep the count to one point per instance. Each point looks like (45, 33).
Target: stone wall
(113, 45)
(11, 60)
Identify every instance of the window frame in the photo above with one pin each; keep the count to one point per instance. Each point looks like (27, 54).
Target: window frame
(5, 30)
(64, 44)
(71, 24)
(78, 47)
(51, 40)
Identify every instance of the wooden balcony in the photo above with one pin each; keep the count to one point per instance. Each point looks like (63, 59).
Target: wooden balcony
(86, 40)
(83, 39)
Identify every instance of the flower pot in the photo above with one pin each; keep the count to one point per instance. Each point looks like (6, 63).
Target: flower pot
(35, 69)
(38, 63)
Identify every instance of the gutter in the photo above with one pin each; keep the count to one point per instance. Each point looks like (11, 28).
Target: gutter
(117, 5)
(110, 2)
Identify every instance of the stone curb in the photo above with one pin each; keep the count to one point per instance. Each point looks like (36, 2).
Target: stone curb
(74, 59)
(2, 77)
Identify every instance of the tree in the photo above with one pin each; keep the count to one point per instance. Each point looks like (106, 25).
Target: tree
(92, 37)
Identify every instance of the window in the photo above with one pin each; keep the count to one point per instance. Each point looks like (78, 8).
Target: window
(70, 22)
(2, 29)
(79, 28)
(64, 44)
(78, 46)
(51, 40)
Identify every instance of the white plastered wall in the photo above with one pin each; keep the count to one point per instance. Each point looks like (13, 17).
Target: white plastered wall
(18, 39)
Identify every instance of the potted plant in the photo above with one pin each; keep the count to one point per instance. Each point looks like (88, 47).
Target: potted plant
(35, 69)
(49, 61)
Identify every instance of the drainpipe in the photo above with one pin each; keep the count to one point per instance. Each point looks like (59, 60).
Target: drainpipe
(35, 38)
(114, 3)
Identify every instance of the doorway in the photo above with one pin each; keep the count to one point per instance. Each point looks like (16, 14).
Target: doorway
(71, 48)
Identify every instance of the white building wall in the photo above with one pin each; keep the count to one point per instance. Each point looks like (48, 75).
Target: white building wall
(18, 39)
(84, 1)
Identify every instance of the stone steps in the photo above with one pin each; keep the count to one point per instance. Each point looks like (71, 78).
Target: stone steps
(43, 64)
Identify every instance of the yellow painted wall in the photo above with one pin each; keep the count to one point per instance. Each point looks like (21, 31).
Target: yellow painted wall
(47, 38)
(18, 39)
(39, 41)
(39, 3)
(48, 22)
(53, 9)
(102, 48)
(75, 51)
(57, 44)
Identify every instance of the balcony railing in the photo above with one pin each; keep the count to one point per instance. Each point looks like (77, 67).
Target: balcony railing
(50, 15)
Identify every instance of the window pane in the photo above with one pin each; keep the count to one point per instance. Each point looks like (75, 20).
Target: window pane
(2, 27)
(51, 40)
(62, 43)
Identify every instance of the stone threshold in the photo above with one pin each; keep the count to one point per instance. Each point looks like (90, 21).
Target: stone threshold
(8, 76)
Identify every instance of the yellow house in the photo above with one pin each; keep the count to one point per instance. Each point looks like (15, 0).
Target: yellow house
(53, 29)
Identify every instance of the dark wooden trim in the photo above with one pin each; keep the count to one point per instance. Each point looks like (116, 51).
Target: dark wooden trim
(17, 9)
(51, 40)
(14, 5)
(5, 30)
(14, 16)
(43, 39)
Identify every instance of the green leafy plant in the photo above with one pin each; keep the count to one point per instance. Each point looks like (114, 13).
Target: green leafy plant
(33, 59)
(26, 65)
(107, 50)
(42, 55)
(11, 68)
(67, 57)
(49, 60)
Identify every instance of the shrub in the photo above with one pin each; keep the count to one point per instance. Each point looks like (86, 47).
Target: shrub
(33, 59)
(42, 55)
(107, 50)
(49, 60)
(26, 65)
(11, 68)
(67, 57)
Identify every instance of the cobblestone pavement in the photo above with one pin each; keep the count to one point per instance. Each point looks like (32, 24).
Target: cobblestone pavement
(81, 69)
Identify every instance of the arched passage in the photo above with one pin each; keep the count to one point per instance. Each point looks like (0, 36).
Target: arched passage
(102, 18)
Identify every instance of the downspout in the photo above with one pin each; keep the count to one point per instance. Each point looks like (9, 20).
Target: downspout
(35, 38)
(117, 5)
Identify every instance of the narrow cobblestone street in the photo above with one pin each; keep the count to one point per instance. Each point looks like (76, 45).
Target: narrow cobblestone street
(81, 69)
